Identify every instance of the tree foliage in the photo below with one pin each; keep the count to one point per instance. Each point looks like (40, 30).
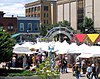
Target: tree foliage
(6, 44)
(45, 27)
(87, 26)
(44, 71)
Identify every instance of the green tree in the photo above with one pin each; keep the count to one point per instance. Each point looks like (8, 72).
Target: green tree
(43, 30)
(87, 26)
(6, 44)
(44, 71)
(45, 27)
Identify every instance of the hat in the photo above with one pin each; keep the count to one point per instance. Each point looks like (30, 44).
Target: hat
(92, 65)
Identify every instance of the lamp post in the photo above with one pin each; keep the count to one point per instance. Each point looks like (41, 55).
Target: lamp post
(51, 48)
(27, 35)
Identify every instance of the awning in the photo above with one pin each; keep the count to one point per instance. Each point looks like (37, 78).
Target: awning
(93, 37)
(86, 55)
(79, 37)
(14, 35)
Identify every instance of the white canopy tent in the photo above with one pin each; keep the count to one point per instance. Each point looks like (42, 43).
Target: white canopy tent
(22, 50)
(73, 49)
(92, 51)
(61, 48)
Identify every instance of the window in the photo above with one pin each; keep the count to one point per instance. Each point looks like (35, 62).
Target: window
(30, 26)
(34, 8)
(36, 26)
(45, 8)
(44, 22)
(21, 26)
(45, 15)
(10, 27)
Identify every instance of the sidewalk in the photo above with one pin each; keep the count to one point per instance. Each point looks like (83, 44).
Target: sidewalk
(69, 70)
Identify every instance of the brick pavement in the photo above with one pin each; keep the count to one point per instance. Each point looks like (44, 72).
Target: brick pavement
(69, 75)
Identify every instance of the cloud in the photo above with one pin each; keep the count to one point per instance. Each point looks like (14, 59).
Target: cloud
(14, 7)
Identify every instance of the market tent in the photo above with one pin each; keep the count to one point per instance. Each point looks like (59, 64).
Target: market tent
(98, 40)
(73, 49)
(80, 37)
(27, 44)
(22, 50)
(93, 37)
(15, 35)
(84, 48)
(95, 51)
(17, 45)
(61, 48)
(85, 55)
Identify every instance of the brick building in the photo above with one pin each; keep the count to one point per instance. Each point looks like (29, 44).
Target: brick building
(8, 24)
(44, 9)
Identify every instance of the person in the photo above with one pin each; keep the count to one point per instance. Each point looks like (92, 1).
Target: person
(25, 63)
(97, 69)
(93, 72)
(64, 65)
(33, 59)
(89, 70)
(76, 69)
(13, 61)
(59, 65)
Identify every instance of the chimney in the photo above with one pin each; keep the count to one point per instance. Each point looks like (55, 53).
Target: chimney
(12, 16)
(1, 14)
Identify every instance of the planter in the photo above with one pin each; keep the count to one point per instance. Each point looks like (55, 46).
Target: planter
(27, 77)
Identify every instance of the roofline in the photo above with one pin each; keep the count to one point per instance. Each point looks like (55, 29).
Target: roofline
(32, 3)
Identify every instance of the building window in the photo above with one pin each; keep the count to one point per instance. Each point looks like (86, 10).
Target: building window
(10, 27)
(45, 15)
(38, 15)
(80, 11)
(34, 15)
(44, 22)
(36, 26)
(45, 8)
(21, 26)
(29, 26)
(34, 8)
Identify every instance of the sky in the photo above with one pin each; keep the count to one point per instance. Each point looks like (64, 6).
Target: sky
(14, 7)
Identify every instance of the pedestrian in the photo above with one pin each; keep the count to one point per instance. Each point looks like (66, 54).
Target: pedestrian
(64, 65)
(89, 71)
(97, 69)
(76, 70)
(93, 74)
(13, 61)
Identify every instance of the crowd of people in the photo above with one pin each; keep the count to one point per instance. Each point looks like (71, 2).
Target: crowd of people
(84, 66)
(88, 68)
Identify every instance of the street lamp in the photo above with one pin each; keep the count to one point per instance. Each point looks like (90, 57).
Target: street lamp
(51, 48)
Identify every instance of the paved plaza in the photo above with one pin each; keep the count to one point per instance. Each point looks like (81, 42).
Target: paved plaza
(69, 75)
